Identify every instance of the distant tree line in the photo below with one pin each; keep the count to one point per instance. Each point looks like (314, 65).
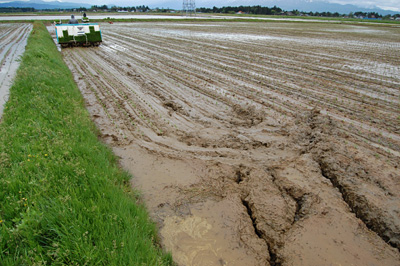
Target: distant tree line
(262, 10)
(142, 8)
(351, 14)
(16, 9)
(64, 9)
(368, 15)
(257, 10)
(163, 10)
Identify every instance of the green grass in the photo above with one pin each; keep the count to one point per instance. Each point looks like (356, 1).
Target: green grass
(64, 200)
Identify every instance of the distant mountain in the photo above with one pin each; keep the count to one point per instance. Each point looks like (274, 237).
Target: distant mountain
(38, 4)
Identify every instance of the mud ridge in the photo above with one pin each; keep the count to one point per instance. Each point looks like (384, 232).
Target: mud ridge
(272, 232)
(253, 219)
(350, 177)
(302, 199)
(358, 204)
(273, 261)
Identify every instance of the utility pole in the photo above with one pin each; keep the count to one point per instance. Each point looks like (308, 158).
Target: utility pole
(189, 8)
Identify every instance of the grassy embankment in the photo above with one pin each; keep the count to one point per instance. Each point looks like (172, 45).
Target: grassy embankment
(64, 200)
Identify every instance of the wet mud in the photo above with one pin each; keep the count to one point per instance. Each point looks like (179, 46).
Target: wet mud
(255, 143)
(13, 38)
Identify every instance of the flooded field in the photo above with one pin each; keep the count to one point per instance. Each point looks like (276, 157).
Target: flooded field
(255, 143)
(13, 39)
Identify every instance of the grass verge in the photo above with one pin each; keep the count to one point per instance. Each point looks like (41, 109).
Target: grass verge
(64, 200)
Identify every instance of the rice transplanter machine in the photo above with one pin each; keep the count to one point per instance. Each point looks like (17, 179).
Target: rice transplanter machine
(82, 34)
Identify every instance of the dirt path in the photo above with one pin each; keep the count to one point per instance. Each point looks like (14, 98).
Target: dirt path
(255, 143)
(13, 39)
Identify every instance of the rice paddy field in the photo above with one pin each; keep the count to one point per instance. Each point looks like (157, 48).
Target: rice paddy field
(255, 143)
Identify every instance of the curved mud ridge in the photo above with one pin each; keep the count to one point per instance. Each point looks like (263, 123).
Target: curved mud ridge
(255, 143)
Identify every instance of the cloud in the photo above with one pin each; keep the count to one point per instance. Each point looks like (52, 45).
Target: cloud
(363, 3)
(393, 8)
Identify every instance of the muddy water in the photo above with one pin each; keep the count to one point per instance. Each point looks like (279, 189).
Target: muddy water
(13, 39)
(198, 226)
(219, 137)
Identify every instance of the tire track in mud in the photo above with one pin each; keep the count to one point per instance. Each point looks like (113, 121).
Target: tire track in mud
(342, 118)
(179, 77)
(118, 102)
(335, 107)
(178, 66)
(351, 178)
(280, 59)
(232, 164)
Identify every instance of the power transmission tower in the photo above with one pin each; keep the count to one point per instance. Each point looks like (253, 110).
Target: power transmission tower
(189, 8)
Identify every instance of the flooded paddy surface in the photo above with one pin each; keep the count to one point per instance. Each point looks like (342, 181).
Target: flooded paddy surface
(255, 143)
(13, 38)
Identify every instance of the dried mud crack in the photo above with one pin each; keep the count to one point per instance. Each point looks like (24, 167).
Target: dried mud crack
(218, 124)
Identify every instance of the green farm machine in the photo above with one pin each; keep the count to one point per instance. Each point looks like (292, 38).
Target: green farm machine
(85, 34)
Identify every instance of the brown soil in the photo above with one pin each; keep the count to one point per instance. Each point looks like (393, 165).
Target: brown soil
(255, 143)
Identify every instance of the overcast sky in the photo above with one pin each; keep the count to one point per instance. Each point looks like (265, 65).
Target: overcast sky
(384, 4)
